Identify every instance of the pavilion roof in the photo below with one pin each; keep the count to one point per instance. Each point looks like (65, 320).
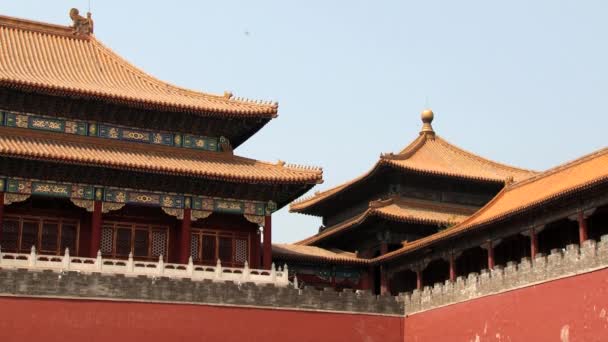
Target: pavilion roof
(520, 197)
(429, 154)
(53, 60)
(399, 210)
(292, 252)
(74, 149)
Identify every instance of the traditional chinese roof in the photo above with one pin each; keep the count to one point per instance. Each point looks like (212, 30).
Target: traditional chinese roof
(290, 252)
(399, 210)
(53, 60)
(429, 154)
(525, 195)
(73, 149)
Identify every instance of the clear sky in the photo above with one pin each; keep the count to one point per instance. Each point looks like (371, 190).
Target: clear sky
(521, 82)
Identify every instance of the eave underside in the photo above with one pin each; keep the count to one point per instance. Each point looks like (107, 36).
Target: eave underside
(237, 130)
(282, 194)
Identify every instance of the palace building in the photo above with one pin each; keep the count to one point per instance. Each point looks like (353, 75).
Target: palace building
(124, 211)
(96, 155)
(433, 212)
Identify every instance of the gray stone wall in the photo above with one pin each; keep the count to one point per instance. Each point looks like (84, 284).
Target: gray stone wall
(560, 263)
(74, 285)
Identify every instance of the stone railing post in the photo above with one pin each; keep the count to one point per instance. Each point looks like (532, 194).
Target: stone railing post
(160, 267)
(285, 275)
(32, 257)
(190, 267)
(246, 272)
(66, 259)
(98, 261)
(130, 264)
(218, 270)
(273, 273)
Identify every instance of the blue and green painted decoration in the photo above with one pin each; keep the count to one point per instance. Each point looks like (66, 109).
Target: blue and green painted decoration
(116, 195)
(107, 131)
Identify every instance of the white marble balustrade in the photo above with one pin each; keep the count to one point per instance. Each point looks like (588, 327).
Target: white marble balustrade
(130, 267)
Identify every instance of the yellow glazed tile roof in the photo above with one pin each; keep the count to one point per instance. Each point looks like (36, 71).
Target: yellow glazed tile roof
(50, 59)
(291, 252)
(428, 154)
(94, 151)
(516, 198)
(400, 210)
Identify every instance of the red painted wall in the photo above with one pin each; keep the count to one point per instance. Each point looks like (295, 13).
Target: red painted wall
(570, 309)
(49, 320)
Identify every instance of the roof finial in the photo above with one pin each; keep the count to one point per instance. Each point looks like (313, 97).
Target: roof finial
(427, 118)
(82, 26)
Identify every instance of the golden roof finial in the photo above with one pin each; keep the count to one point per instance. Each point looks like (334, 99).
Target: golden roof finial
(427, 118)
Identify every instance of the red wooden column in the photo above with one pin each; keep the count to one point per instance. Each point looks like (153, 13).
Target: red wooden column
(184, 246)
(96, 229)
(267, 247)
(582, 227)
(255, 250)
(452, 267)
(1, 212)
(267, 258)
(533, 243)
(490, 249)
(419, 283)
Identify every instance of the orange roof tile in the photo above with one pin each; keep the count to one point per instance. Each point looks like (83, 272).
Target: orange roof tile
(157, 159)
(428, 154)
(51, 59)
(399, 210)
(524, 195)
(290, 252)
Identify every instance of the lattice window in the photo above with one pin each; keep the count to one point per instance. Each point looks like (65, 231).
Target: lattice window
(240, 251)
(209, 254)
(123, 241)
(194, 248)
(140, 243)
(232, 248)
(29, 235)
(145, 241)
(69, 236)
(107, 242)
(10, 235)
(20, 233)
(159, 243)
(50, 234)
(225, 249)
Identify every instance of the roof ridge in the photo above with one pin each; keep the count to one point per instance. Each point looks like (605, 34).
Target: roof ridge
(560, 167)
(39, 27)
(186, 99)
(460, 150)
(123, 63)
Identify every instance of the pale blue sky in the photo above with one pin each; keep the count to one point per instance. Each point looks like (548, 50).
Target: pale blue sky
(521, 82)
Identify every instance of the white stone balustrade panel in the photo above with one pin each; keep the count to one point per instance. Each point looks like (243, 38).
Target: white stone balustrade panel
(132, 268)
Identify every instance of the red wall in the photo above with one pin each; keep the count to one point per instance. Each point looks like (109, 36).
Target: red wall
(49, 320)
(570, 309)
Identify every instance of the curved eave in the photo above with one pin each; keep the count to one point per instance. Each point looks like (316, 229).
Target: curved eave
(468, 224)
(361, 219)
(319, 259)
(268, 113)
(310, 205)
(99, 152)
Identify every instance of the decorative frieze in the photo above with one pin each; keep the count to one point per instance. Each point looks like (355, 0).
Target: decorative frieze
(107, 131)
(18, 189)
